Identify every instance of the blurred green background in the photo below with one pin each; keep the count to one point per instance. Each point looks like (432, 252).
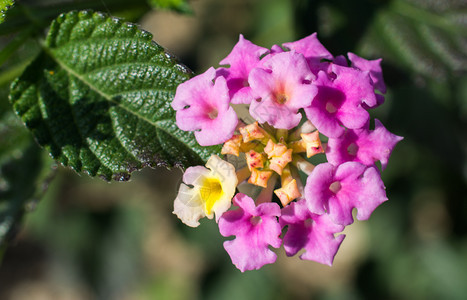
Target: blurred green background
(88, 239)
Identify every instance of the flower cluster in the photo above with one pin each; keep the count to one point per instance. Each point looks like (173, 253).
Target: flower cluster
(302, 106)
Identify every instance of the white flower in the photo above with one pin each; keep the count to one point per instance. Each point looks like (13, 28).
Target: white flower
(205, 191)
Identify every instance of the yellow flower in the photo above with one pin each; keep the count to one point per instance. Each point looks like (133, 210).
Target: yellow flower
(205, 191)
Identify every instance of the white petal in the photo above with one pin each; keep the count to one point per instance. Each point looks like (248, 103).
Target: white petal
(188, 206)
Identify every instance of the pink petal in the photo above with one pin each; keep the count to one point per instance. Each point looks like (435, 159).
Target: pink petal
(203, 106)
(262, 82)
(218, 130)
(197, 86)
(372, 66)
(289, 67)
(340, 61)
(357, 88)
(284, 75)
(359, 187)
(363, 145)
(242, 59)
(383, 142)
(277, 115)
(310, 47)
(317, 191)
(314, 233)
(325, 119)
(276, 49)
(255, 229)
(192, 118)
(341, 101)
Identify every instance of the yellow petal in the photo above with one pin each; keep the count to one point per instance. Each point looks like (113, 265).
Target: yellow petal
(259, 177)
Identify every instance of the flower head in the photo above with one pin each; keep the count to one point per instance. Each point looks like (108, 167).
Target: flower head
(305, 106)
(205, 191)
(255, 229)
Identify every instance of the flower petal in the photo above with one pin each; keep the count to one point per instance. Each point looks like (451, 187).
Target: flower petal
(314, 233)
(282, 87)
(337, 190)
(363, 145)
(255, 229)
(203, 105)
(310, 47)
(244, 57)
(210, 193)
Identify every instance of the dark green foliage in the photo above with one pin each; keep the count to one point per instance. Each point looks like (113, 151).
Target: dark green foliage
(98, 99)
(429, 37)
(177, 5)
(39, 13)
(4, 6)
(24, 173)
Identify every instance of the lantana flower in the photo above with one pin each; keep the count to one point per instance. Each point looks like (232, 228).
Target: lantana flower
(375, 71)
(255, 229)
(339, 101)
(373, 67)
(203, 106)
(315, 53)
(282, 87)
(338, 190)
(363, 145)
(244, 57)
(313, 232)
(205, 191)
(304, 103)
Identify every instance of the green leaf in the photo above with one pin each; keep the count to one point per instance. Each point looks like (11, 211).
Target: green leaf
(428, 37)
(40, 13)
(4, 6)
(98, 99)
(177, 5)
(24, 173)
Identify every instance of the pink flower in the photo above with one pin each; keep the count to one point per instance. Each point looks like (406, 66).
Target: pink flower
(337, 190)
(275, 49)
(203, 106)
(340, 60)
(255, 228)
(363, 145)
(310, 47)
(283, 88)
(376, 74)
(372, 66)
(313, 232)
(313, 51)
(244, 57)
(296, 94)
(340, 101)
